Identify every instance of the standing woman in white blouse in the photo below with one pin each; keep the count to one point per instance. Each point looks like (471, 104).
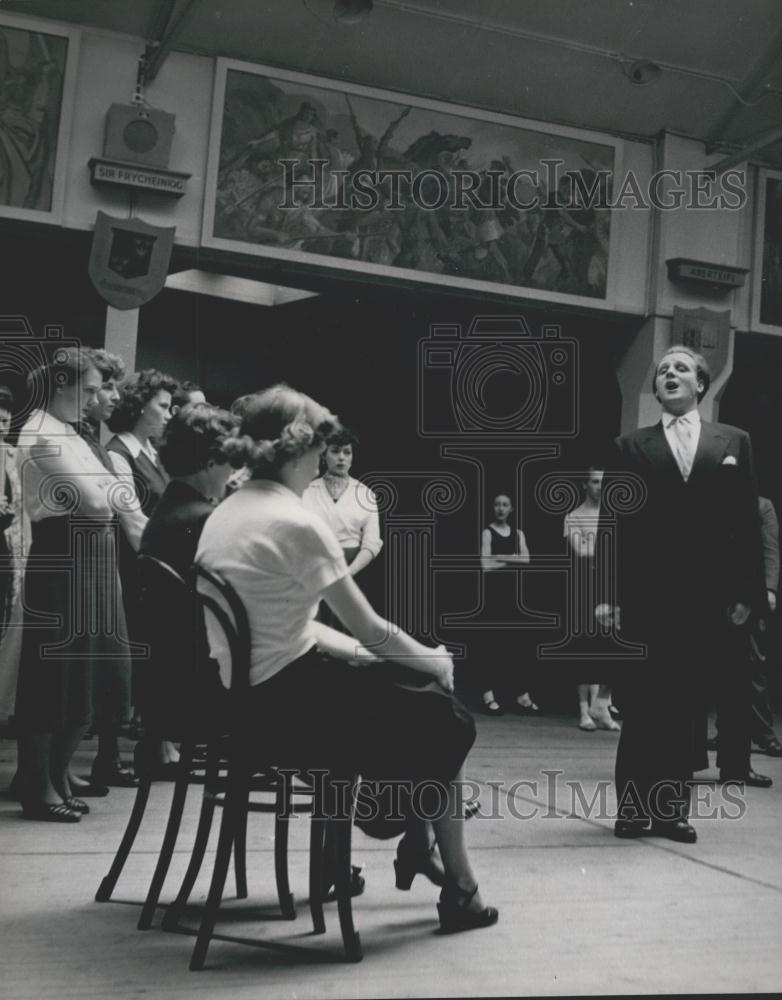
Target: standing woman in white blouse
(72, 602)
(345, 504)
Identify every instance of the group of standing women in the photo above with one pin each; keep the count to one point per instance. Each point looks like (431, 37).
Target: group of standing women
(87, 508)
(369, 700)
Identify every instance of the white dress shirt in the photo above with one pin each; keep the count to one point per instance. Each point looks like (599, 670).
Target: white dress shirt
(683, 446)
(134, 520)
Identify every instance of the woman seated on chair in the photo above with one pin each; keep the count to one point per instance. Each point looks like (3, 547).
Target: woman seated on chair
(397, 724)
(174, 691)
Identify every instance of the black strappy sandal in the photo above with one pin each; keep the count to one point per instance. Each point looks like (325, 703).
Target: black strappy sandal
(49, 813)
(456, 916)
(76, 805)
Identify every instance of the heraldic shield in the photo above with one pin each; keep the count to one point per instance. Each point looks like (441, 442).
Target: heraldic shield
(129, 260)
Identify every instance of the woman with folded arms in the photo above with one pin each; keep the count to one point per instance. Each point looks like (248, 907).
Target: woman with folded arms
(391, 722)
(72, 591)
(345, 504)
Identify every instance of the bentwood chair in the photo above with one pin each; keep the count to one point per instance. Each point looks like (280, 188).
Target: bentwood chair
(332, 810)
(168, 603)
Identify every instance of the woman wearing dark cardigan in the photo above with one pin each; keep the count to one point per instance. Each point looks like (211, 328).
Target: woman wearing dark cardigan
(179, 688)
(138, 421)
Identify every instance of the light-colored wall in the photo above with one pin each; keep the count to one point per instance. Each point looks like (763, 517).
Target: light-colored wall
(107, 74)
(707, 234)
(631, 228)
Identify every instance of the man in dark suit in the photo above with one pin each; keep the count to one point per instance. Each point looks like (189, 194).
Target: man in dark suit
(687, 561)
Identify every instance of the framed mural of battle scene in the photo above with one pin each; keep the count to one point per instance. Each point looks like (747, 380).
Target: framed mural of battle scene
(767, 258)
(37, 80)
(331, 174)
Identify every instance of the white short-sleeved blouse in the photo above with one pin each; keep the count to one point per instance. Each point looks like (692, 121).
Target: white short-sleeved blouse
(280, 558)
(353, 518)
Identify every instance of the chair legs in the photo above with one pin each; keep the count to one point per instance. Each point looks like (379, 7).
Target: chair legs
(281, 822)
(317, 849)
(234, 809)
(327, 817)
(339, 838)
(240, 856)
(204, 828)
(350, 936)
(169, 838)
(108, 884)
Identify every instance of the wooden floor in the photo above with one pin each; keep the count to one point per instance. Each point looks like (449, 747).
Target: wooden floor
(580, 912)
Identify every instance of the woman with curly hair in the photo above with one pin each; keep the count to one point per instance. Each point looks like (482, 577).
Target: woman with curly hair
(397, 723)
(138, 421)
(346, 505)
(175, 688)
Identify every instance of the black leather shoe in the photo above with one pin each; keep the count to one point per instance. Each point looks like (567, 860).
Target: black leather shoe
(679, 830)
(770, 746)
(630, 829)
(114, 774)
(751, 779)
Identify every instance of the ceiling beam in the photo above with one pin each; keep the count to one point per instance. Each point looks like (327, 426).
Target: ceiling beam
(750, 146)
(749, 90)
(159, 20)
(167, 26)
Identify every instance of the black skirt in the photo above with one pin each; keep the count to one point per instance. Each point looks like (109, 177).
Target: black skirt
(399, 729)
(74, 625)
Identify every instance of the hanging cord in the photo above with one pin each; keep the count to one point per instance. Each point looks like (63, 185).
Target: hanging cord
(141, 73)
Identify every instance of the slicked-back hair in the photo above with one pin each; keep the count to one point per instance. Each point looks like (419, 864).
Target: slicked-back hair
(701, 367)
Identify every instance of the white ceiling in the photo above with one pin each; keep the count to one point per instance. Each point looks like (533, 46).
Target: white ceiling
(561, 61)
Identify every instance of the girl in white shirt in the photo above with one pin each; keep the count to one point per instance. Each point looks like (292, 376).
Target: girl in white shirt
(388, 723)
(345, 504)
(72, 590)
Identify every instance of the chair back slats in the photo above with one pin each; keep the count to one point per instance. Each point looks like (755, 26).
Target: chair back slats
(157, 571)
(227, 609)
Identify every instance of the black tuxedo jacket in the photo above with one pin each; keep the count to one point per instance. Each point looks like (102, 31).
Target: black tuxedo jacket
(691, 549)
